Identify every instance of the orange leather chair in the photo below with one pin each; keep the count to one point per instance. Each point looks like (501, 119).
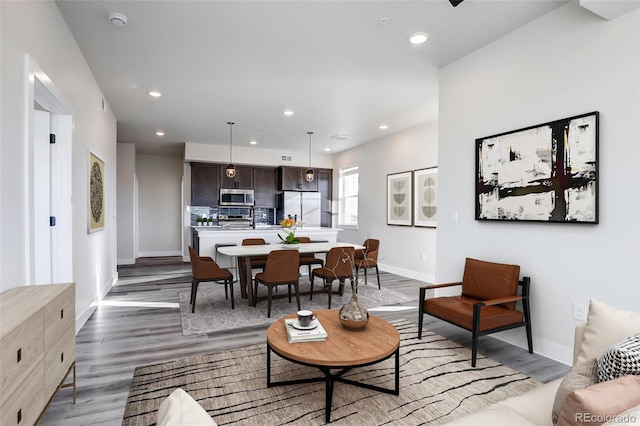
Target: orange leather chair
(257, 262)
(487, 303)
(282, 267)
(204, 269)
(338, 266)
(368, 258)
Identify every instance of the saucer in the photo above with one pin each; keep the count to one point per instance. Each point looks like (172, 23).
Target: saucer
(311, 326)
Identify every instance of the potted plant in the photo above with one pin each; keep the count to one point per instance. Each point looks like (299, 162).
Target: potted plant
(199, 221)
(290, 238)
(210, 220)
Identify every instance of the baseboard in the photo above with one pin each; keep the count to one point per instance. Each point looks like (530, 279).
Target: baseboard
(126, 261)
(86, 313)
(427, 278)
(160, 253)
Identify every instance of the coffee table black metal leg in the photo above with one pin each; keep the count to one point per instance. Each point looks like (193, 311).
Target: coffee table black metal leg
(328, 394)
(268, 366)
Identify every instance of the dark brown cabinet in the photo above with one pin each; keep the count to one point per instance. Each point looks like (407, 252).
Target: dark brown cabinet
(205, 184)
(292, 179)
(242, 180)
(264, 186)
(325, 179)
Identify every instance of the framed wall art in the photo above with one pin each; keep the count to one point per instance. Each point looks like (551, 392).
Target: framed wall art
(543, 173)
(399, 197)
(425, 197)
(96, 193)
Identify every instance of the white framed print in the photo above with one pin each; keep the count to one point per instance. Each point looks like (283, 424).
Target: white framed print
(399, 199)
(425, 197)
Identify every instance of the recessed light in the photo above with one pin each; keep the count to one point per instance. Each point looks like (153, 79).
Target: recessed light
(383, 127)
(154, 94)
(288, 112)
(253, 142)
(159, 133)
(327, 149)
(418, 38)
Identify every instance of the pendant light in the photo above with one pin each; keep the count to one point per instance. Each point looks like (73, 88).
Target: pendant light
(230, 171)
(309, 175)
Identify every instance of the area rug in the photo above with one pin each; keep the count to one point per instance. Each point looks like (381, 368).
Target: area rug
(437, 385)
(214, 313)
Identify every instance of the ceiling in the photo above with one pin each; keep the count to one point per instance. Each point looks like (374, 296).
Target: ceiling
(343, 67)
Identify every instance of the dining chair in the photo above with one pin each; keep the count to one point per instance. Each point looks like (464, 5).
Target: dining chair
(257, 262)
(486, 304)
(205, 269)
(368, 258)
(282, 267)
(309, 259)
(337, 266)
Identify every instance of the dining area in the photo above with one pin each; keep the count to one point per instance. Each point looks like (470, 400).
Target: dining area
(261, 265)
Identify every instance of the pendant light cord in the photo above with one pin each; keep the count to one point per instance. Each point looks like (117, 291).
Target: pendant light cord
(230, 123)
(309, 133)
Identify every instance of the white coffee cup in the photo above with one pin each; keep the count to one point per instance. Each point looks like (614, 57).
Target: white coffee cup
(306, 317)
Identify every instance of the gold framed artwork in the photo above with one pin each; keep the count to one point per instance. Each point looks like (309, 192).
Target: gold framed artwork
(96, 193)
(425, 198)
(399, 199)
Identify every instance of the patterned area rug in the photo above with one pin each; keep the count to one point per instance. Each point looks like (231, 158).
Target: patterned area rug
(437, 384)
(214, 313)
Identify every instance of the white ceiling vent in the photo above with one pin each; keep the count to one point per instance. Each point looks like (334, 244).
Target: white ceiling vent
(339, 137)
(287, 158)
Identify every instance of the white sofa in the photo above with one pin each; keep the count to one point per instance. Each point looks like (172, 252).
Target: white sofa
(606, 326)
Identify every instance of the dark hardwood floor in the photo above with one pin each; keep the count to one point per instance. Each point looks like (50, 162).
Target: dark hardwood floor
(138, 323)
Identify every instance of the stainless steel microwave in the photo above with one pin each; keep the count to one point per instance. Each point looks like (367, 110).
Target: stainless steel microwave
(236, 197)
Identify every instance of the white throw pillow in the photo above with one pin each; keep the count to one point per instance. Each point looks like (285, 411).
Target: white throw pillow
(606, 325)
(180, 409)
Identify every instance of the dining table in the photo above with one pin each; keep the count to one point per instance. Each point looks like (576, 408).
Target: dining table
(248, 252)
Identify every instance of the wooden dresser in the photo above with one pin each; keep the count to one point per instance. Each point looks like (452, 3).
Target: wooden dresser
(37, 349)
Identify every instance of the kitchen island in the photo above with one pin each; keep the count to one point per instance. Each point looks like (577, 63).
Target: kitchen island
(209, 236)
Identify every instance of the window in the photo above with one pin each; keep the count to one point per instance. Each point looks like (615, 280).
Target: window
(348, 197)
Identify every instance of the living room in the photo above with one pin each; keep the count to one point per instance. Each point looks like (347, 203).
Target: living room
(568, 62)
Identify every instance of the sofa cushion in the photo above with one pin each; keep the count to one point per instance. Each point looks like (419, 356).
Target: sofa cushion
(621, 359)
(605, 326)
(600, 403)
(582, 375)
(180, 409)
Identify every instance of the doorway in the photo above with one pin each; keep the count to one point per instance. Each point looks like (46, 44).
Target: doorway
(48, 229)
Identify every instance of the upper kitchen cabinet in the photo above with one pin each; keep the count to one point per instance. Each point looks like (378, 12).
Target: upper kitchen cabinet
(242, 180)
(205, 183)
(325, 179)
(292, 179)
(264, 186)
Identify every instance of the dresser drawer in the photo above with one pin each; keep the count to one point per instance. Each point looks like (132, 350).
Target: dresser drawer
(26, 402)
(59, 316)
(20, 351)
(58, 358)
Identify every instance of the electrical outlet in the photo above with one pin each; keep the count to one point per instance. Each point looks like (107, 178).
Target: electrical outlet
(580, 311)
(423, 256)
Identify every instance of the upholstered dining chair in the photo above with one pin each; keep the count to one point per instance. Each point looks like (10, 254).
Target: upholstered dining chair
(487, 303)
(368, 258)
(205, 269)
(337, 266)
(257, 262)
(309, 259)
(282, 267)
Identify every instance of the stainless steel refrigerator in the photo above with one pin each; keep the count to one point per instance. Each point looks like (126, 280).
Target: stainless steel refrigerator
(303, 205)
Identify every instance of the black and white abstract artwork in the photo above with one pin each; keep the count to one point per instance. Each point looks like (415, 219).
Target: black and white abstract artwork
(543, 173)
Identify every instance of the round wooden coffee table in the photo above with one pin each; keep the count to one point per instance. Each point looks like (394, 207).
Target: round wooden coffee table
(343, 350)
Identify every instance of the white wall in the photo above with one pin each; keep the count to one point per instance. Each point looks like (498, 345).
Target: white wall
(159, 201)
(38, 29)
(400, 246)
(126, 191)
(566, 63)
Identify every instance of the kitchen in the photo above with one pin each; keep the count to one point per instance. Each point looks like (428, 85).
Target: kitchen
(253, 202)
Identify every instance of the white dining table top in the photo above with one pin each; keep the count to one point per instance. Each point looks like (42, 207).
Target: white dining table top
(261, 250)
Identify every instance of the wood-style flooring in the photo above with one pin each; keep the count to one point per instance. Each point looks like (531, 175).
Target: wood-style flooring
(138, 323)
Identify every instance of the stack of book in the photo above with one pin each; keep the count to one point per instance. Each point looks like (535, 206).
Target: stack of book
(297, 335)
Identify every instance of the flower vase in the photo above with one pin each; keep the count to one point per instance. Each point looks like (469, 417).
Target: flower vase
(354, 316)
